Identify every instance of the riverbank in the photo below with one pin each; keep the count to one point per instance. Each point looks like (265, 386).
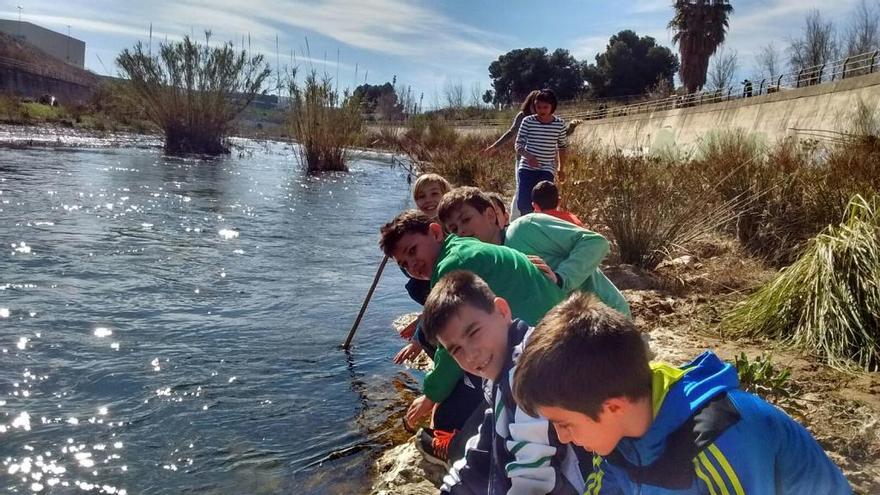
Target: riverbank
(679, 306)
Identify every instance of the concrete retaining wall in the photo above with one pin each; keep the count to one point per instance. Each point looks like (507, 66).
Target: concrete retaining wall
(811, 112)
(23, 83)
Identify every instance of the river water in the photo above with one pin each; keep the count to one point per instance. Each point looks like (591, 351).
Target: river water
(172, 325)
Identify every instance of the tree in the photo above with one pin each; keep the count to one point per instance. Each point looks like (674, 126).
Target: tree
(370, 94)
(863, 34)
(488, 97)
(193, 92)
(518, 72)
(723, 70)
(630, 65)
(700, 28)
(816, 46)
(453, 92)
(768, 61)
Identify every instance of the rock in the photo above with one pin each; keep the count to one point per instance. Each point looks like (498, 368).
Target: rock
(629, 277)
(681, 261)
(402, 469)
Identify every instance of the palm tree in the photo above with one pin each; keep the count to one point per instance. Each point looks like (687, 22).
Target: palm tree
(700, 27)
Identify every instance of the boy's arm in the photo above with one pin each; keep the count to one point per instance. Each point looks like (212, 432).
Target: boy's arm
(470, 475)
(581, 250)
(441, 380)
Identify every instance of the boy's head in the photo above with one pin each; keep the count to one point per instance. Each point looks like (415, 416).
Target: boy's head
(464, 316)
(545, 102)
(586, 370)
(545, 196)
(428, 190)
(500, 208)
(414, 241)
(468, 212)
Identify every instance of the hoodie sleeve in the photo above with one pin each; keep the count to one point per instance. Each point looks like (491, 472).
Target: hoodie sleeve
(441, 380)
(580, 250)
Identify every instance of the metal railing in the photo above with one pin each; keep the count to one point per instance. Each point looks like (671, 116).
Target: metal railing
(856, 65)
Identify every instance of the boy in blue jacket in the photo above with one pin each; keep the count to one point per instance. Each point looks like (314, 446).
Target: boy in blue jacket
(655, 428)
(513, 452)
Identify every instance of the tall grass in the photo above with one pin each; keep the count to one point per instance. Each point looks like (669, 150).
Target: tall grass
(324, 122)
(651, 205)
(828, 301)
(436, 147)
(193, 91)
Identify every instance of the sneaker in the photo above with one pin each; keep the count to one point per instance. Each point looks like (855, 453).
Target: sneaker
(434, 445)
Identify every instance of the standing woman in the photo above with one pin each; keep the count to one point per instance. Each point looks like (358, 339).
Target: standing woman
(527, 108)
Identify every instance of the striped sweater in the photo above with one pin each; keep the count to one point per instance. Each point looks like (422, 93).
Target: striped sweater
(512, 452)
(541, 140)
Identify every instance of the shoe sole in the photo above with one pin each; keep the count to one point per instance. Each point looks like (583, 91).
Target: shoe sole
(431, 458)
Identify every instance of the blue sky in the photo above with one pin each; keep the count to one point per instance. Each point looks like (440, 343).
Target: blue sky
(427, 44)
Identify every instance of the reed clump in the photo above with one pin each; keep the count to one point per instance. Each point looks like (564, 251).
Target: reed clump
(325, 123)
(828, 301)
(193, 91)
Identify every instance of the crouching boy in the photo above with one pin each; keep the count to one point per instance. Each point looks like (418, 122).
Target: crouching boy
(512, 452)
(655, 428)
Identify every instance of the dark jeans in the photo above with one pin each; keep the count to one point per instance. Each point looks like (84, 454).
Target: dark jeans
(526, 179)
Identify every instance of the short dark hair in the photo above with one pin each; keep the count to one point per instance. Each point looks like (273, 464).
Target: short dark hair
(580, 355)
(460, 196)
(548, 96)
(410, 221)
(546, 195)
(454, 291)
(498, 201)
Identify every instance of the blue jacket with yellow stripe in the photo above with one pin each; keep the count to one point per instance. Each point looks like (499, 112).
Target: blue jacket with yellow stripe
(710, 438)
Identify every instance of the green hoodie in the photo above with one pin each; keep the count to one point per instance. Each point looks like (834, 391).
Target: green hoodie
(574, 253)
(510, 275)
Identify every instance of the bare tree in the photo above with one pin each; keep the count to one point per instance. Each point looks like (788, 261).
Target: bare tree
(454, 94)
(863, 33)
(725, 65)
(768, 61)
(817, 44)
(476, 94)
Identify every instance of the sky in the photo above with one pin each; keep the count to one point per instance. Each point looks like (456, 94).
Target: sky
(428, 45)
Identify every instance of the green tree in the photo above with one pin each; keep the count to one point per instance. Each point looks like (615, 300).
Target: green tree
(518, 72)
(193, 92)
(700, 28)
(630, 65)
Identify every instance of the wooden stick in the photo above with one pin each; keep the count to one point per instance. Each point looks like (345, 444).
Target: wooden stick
(360, 315)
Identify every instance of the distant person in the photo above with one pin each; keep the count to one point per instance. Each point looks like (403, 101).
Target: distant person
(747, 88)
(568, 254)
(655, 428)
(512, 451)
(527, 108)
(545, 199)
(542, 144)
(420, 246)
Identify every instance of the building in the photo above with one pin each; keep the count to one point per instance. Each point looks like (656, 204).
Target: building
(60, 46)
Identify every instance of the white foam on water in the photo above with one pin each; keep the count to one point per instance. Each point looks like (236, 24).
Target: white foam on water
(228, 234)
(103, 332)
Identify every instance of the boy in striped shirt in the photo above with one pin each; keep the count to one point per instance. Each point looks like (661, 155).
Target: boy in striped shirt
(541, 145)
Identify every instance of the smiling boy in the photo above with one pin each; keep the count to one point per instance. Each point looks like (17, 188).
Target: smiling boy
(655, 428)
(512, 452)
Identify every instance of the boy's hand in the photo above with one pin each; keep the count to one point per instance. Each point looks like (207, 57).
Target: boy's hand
(408, 352)
(419, 408)
(544, 267)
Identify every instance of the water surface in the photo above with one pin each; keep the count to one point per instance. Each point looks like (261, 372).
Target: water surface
(172, 326)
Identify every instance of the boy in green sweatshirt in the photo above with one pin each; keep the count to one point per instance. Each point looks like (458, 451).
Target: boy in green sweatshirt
(571, 254)
(421, 248)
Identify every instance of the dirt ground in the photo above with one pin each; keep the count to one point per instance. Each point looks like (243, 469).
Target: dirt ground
(680, 305)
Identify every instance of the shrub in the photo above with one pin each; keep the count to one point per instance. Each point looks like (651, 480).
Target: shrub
(193, 92)
(324, 122)
(828, 301)
(651, 205)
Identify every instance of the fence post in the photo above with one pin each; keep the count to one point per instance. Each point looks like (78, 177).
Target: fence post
(761, 87)
(873, 58)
